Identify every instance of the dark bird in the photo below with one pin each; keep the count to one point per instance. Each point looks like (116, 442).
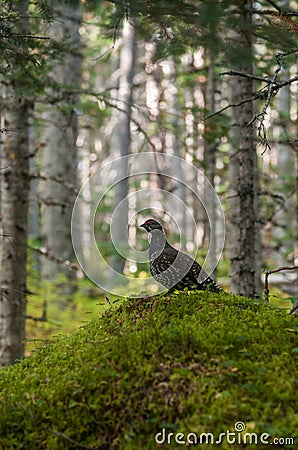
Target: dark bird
(173, 269)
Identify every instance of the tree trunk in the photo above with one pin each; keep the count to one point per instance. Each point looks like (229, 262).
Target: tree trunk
(210, 149)
(244, 229)
(34, 210)
(122, 142)
(190, 143)
(14, 212)
(154, 78)
(285, 169)
(60, 135)
(296, 222)
(172, 147)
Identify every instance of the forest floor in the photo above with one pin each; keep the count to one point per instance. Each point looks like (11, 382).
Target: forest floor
(160, 372)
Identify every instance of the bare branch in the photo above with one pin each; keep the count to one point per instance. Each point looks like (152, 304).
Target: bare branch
(49, 202)
(24, 36)
(272, 90)
(245, 75)
(3, 130)
(232, 105)
(45, 252)
(286, 83)
(46, 177)
(266, 92)
(269, 272)
(295, 307)
(36, 319)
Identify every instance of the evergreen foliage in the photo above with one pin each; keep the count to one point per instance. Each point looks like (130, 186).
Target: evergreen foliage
(180, 24)
(24, 55)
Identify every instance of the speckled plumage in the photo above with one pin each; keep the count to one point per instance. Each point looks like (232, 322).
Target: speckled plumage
(174, 270)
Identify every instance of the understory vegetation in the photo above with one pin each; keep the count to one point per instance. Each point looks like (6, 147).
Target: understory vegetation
(184, 363)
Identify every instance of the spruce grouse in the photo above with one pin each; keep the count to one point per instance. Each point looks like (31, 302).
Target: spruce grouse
(174, 270)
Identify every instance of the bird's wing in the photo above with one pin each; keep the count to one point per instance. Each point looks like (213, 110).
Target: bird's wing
(172, 268)
(181, 263)
(190, 272)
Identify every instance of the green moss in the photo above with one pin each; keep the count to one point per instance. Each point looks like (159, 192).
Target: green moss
(196, 362)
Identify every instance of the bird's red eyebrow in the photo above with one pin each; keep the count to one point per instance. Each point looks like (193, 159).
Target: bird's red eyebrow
(147, 221)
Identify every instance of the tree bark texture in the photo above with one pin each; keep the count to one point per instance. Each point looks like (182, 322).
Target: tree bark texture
(122, 139)
(244, 230)
(14, 212)
(210, 150)
(60, 135)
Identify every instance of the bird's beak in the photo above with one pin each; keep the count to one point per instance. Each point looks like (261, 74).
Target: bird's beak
(143, 225)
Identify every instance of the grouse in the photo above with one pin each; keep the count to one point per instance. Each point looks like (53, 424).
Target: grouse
(173, 269)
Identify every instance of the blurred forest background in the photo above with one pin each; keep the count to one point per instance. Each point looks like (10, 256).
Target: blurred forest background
(85, 82)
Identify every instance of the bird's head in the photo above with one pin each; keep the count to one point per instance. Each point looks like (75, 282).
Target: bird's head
(151, 225)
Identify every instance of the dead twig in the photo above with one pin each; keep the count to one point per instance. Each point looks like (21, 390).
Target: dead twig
(45, 252)
(269, 272)
(232, 105)
(267, 92)
(46, 177)
(245, 75)
(272, 89)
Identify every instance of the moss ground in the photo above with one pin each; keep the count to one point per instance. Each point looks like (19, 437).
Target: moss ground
(186, 363)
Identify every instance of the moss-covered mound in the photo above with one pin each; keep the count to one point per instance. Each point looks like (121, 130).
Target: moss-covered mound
(153, 368)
